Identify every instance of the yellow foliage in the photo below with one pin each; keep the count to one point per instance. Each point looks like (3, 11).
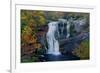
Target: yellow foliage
(37, 45)
(83, 50)
(27, 30)
(42, 20)
(32, 40)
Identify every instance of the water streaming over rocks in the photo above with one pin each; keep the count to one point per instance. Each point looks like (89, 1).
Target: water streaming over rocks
(53, 45)
(60, 29)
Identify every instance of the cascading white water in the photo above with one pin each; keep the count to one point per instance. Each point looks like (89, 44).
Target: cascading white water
(53, 44)
(68, 29)
(63, 23)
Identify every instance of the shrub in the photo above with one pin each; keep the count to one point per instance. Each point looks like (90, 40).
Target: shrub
(83, 50)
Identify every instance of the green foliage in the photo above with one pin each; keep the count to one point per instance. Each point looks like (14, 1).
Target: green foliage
(34, 18)
(32, 59)
(83, 50)
(53, 15)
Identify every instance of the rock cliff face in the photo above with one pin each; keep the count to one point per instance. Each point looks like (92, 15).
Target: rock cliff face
(64, 32)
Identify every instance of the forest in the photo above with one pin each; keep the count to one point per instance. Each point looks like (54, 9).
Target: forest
(34, 28)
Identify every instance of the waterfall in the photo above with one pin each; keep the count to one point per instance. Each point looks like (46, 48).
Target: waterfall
(60, 29)
(64, 24)
(53, 44)
(68, 29)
